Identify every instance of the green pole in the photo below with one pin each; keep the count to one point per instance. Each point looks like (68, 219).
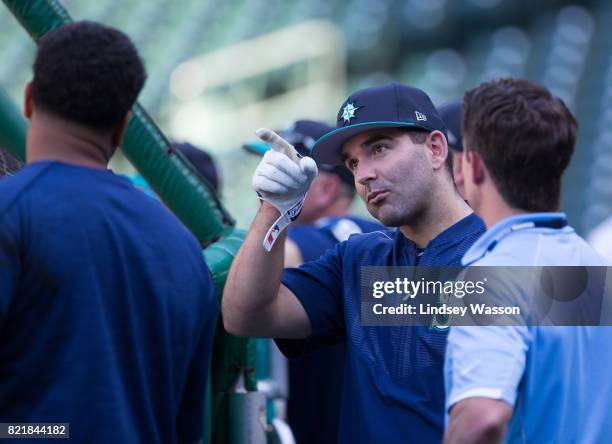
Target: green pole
(12, 128)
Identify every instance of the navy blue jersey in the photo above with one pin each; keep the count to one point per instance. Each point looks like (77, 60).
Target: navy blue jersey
(315, 380)
(106, 309)
(393, 381)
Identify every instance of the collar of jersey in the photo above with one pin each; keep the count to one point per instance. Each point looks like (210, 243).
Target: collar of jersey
(454, 233)
(504, 227)
(470, 224)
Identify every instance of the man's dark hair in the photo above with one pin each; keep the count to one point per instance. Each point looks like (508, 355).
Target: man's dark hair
(525, 137)
(87, 73)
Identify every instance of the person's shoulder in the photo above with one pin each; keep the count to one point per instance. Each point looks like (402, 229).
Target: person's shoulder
(374, 242)
(601, 239)
(503, 257)
(188, 261)
(340, 228)
(461, 236)
(517, 249)
(590, 255)
(602, 232)
(205, 276)
(367, 225)
(152, 218)
(472, 225)
(543, 249)
(383, 234)
(15, 187)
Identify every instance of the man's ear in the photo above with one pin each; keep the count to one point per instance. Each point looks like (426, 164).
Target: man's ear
(119, 129)
(27, 101)
(476, 166)
(436, 141)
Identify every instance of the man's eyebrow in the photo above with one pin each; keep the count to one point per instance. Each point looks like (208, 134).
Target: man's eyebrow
(376, 138)
(369, 141)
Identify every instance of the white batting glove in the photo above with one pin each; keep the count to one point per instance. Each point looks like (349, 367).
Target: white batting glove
(282, 179)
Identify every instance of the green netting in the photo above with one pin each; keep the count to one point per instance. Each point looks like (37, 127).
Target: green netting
(8, 164)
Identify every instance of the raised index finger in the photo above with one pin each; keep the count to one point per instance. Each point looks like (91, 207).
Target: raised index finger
(277, 143)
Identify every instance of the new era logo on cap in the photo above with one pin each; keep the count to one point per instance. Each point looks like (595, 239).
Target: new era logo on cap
(388, 106)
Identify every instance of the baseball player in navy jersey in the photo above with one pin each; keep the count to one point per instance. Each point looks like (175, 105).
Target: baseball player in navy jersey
(393, 141)
(315, 381)
(107, 308)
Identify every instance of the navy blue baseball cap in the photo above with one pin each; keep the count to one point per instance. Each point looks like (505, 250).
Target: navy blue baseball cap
(388, 106)
(201, 160)
(452, 114)
(303, 134)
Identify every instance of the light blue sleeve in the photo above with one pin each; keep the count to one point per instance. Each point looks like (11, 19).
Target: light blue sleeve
(489, 360)
(484, 361)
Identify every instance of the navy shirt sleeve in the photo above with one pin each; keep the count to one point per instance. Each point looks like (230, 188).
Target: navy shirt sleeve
(190, 427)
(318, 287)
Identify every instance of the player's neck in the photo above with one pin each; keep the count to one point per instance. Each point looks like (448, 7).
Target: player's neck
(57, 140)
(493, 209)
(441, 213)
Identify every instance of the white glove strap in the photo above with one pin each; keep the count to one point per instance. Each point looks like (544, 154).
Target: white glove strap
(281, 223)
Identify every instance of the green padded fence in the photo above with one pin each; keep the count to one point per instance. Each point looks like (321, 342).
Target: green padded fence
(12, 128)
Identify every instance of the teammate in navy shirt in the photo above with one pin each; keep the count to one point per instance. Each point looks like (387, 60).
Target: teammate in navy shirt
(393, 141)
(315, 380)
(106, 307)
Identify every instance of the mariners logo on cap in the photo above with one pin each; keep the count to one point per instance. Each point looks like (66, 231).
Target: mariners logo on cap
(348, 112)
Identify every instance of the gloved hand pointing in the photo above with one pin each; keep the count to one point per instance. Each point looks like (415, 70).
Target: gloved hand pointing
(282, 179)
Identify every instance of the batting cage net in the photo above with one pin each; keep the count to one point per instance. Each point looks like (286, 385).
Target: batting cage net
(8, 164)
